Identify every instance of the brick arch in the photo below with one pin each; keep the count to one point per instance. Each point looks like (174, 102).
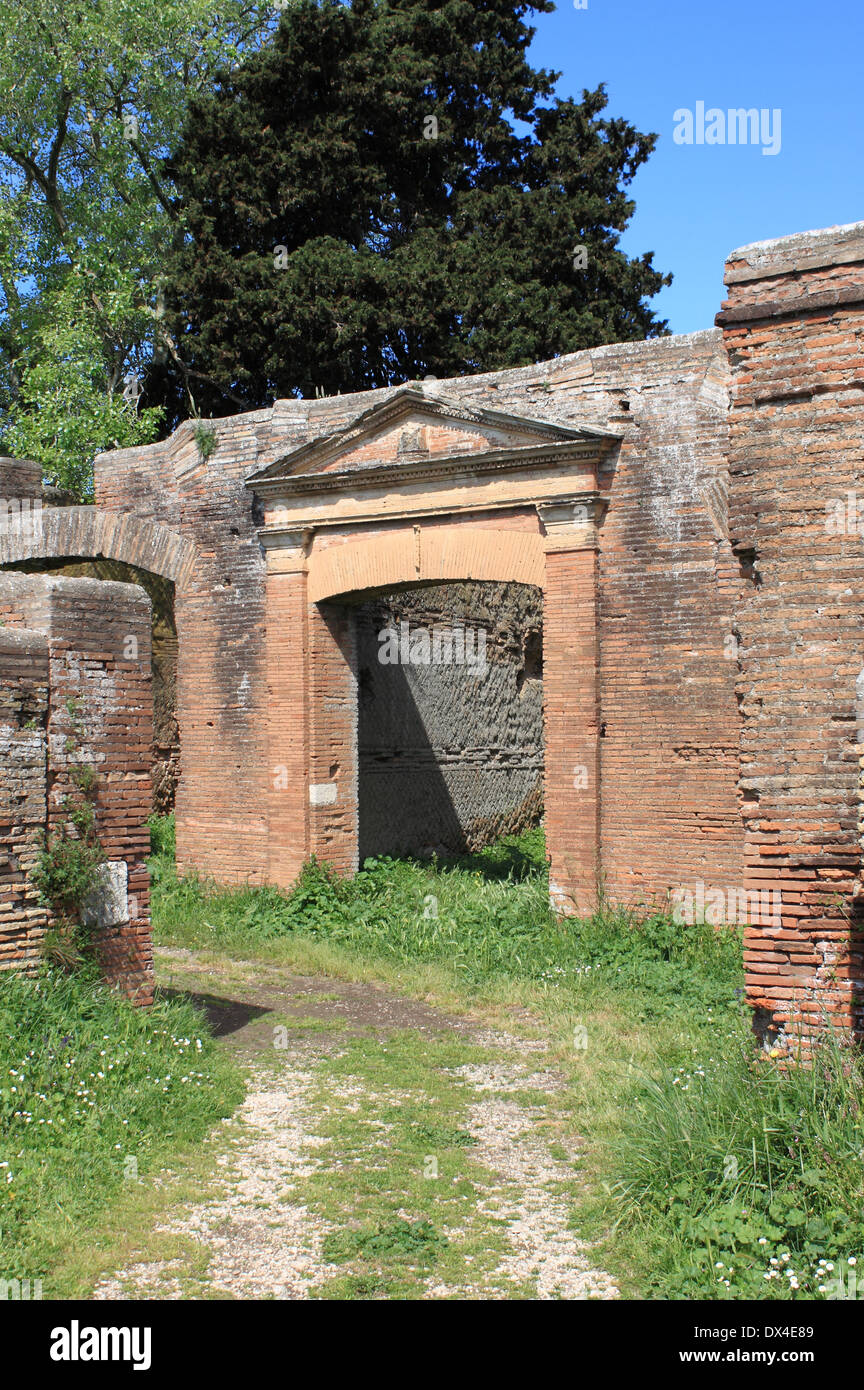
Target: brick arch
(426, 555)
(85, 533)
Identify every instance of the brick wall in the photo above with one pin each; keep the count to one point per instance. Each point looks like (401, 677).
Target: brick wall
(23, 791)
(794, 329)
(92, 703)
(220, 616)
(726, 622)
(667, 578)
(668, 806)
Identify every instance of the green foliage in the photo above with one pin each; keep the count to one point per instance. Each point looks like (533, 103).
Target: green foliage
(85, 778)
(163, 836)
(480, 917)
(746, 1179)
(86, 1083)
(205, 439)
(67, 405)
(92, 97)
(389, 189)
(61, 947)
(411, 1242)
(67, 871)
(727, 1176)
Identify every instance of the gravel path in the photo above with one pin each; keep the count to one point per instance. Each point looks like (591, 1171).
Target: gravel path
(259, 1238)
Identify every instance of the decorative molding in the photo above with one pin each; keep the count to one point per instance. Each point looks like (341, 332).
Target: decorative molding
(286, 549)
(572, 524)
(301, 468)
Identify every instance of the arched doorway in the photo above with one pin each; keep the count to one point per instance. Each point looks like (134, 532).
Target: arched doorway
(424, 491)
(450, 717)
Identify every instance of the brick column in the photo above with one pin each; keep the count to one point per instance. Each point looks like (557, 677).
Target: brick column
(793, 326)
(288, 706)
(333, 756)
(312, 719)
(571, 702)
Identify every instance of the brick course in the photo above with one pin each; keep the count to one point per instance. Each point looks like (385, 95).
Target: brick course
(794, 332)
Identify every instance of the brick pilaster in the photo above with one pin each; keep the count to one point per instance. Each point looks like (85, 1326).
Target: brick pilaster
(333, 773)
(288, 706)
(571, 703)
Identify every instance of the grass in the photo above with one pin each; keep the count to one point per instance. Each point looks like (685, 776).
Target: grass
(95, 1096)
(399, 1182)
(707, 1171)
(710, 1172)
(481, 923)
(746, 1179)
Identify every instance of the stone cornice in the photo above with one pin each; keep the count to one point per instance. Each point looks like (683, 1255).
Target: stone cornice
(307, 465)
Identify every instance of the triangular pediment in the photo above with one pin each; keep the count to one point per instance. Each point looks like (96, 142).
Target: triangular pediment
(417, 427)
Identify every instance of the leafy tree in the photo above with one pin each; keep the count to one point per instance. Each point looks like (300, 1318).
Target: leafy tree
(388, 189)
(93, 94)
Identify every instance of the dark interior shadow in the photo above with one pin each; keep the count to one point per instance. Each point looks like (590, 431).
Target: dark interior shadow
(224, 1016)
(436, 778)
(508, 862)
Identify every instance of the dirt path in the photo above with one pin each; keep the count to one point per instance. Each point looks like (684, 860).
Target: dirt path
(384, 1149)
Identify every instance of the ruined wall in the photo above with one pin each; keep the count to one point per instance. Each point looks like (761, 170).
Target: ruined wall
(220, 619)
(794, 330)
(669, 755)
(92, 703)
(667, 581)
(23, 791)
(450, 752)
(165, 766)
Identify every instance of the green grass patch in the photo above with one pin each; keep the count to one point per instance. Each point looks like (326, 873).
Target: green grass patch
(708, 1171)
(744, 1180)
(95, 1096)
(399, 1182)
(481, 920)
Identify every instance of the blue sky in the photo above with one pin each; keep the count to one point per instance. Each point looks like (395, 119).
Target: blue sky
(695, 203)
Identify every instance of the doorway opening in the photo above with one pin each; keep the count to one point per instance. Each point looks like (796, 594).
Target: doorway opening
(450, 717)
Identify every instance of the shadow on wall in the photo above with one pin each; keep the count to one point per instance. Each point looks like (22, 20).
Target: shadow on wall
(450, 698)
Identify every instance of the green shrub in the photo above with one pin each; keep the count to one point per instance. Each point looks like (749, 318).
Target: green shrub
(163, 837)
(206, 439)
(66, 872)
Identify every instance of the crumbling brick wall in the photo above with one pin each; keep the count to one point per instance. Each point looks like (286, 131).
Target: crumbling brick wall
(87, 678)
(165, 767)
(450, 754)
(794, 330)
(728, 622)
(668, 805)
(23, 791)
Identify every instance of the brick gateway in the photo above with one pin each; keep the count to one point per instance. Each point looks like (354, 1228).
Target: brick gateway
(688, 508)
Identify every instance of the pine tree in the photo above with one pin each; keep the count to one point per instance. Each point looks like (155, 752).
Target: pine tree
(387, 190)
